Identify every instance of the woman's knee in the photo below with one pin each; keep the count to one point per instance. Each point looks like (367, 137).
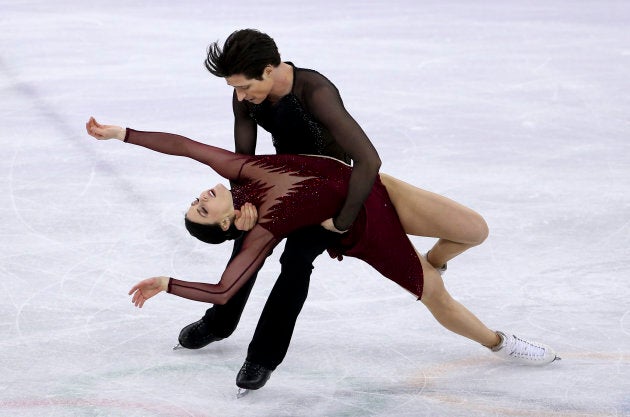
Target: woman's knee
(433, 292)
(473, 230)
(430, 293)
(479, 229)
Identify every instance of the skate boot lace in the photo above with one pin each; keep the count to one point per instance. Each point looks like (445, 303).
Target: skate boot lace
(252, 369)
(524, 348)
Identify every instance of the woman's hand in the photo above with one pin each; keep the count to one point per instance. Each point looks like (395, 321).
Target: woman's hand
(328, 224)
(246, 217)
(146, 289)
(104, 132)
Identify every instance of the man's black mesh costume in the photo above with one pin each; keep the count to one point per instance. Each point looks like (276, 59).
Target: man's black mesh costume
(309, 120)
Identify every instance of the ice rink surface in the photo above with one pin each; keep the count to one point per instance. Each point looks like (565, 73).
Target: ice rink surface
(520, 110)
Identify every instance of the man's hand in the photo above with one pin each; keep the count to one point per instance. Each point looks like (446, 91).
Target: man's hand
(146, 289)
(246, 217)
(104, 132)
(329, 225)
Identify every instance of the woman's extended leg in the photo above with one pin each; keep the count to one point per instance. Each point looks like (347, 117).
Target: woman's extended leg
(449, 312)
(459, 228)
(458, 319)
(423, 213)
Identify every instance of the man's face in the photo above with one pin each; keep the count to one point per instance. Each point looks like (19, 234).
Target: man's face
(250, 89)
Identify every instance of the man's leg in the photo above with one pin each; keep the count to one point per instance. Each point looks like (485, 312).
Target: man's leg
(277, 321)
(220, 321)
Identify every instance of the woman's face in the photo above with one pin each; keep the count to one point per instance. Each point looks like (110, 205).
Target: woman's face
(250, 89)
(212, 206)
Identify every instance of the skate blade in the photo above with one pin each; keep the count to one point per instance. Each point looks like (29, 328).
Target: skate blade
(178, 347)
(242, 392)
(557, 358)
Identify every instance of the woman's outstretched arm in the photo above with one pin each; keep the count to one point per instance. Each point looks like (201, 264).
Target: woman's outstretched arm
(225, 163)
(258, 245)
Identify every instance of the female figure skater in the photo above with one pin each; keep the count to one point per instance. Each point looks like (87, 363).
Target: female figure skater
(294, 191)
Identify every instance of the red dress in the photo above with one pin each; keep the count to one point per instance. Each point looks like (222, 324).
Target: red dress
(290, 192)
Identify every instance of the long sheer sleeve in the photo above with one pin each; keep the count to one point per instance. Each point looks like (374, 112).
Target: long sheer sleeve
(225, 163)
(325, 104)
(257, 246)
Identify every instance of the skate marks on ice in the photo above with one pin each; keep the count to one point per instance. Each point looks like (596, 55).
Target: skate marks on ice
(77, 407)
(551, 390)
(472, 386)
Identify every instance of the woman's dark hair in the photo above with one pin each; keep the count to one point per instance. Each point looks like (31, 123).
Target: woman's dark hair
(211, 233)
(246, 51)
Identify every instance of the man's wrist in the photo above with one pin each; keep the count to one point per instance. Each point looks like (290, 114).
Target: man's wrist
(341, 229)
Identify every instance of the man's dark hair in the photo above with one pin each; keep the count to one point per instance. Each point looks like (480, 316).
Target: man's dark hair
(246, 52)
(211, 233)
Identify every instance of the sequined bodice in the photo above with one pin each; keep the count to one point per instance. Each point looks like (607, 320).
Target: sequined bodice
(291, 191)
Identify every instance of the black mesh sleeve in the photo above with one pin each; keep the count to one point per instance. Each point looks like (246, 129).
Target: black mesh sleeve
(245, 128)
(325, 104)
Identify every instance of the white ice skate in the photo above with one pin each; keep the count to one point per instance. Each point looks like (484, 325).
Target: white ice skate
(513, 348)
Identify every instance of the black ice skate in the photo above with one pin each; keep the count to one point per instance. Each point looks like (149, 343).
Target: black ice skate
(195, 336)
(251, 377)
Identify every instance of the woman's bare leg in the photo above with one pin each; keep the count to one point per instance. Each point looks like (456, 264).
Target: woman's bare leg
(458, 228)
(423, 213)
(449, 312)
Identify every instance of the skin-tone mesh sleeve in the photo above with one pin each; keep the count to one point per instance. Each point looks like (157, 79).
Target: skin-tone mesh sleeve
(225, 163)
(257, 246)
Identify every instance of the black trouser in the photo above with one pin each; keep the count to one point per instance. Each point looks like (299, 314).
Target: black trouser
(277, 321)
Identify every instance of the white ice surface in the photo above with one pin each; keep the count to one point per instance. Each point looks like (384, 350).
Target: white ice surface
(520, 110)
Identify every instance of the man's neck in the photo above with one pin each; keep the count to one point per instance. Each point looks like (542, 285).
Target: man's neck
(282, 81)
